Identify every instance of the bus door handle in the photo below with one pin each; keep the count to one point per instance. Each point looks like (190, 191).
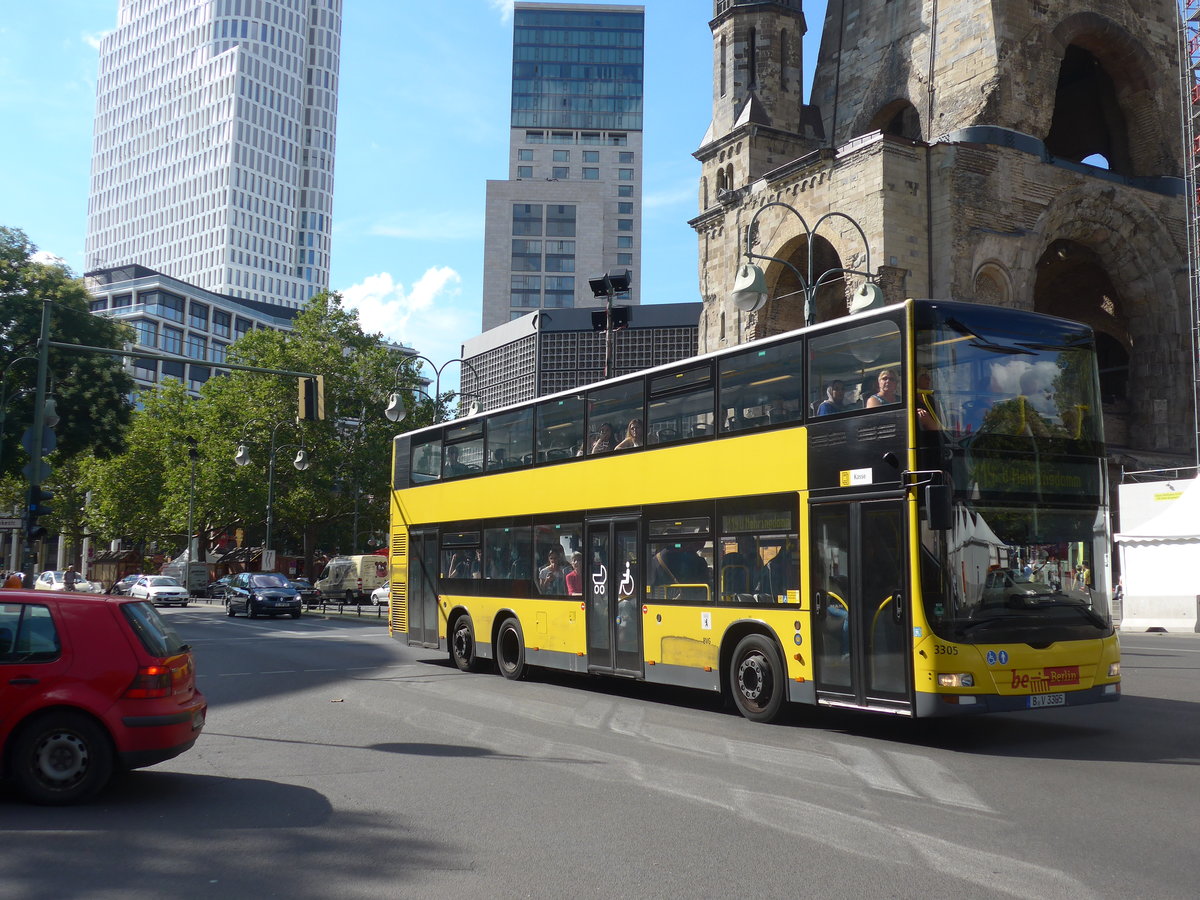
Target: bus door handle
(819, 604)
(898, 607)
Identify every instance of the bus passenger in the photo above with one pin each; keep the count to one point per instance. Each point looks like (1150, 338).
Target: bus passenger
(604, 440)
(574, 578)
(552, 577)
(633, 435)
(889, 389)
(835, 396)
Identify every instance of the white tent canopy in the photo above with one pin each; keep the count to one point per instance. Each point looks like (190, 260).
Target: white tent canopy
(1180, 521)
(1158, 564)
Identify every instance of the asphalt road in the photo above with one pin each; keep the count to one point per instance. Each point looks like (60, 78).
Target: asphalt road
(338, 763)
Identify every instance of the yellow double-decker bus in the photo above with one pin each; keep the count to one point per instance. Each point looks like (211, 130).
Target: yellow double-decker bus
(903, 511)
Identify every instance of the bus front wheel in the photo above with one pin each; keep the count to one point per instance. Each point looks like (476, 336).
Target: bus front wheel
(462, 645)
(510, 649)
(757, 679)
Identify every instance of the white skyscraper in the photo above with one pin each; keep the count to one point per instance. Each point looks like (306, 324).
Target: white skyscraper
(213, 152)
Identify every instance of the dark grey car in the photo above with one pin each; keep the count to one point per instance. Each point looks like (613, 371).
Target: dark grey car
(261, 594)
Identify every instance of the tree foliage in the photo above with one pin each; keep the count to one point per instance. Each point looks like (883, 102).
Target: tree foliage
(143, 494)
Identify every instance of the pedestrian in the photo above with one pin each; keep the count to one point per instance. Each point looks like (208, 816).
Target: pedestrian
(70, 578)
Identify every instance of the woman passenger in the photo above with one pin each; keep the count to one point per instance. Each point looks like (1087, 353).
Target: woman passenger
(633, 435)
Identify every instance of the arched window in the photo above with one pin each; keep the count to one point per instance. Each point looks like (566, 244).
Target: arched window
(1088, 120)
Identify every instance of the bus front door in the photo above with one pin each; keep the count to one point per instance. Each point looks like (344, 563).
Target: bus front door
(613, 593)
(862, 649)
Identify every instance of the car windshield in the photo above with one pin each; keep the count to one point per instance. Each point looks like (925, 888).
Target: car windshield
(164, 581)
(268, 581)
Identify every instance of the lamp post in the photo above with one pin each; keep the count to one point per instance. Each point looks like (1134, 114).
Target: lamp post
(396, 410)
(193, 453)
(301, 462)
(608, 286)
(750, 285)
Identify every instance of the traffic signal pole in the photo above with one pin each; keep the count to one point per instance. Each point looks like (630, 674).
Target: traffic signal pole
(29, 560)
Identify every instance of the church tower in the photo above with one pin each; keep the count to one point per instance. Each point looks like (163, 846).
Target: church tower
(1024, 155)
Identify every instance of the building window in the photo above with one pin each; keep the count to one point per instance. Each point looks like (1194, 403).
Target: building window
(242, 326)
(216, 352)
(624, 242)
(560, 291)
(624, 224)
(561, 173)
(169, 306)
(625, 209)
(625, 157)
(172, 342)
(525, 155)
(220, 323)
(525, 290)
(619, 140)
(589, 137)
(625, 174)
(535, 137)
(120, 301)
(562, 155)
(624, 190)
(527, 218)
(198, 315)
(560, 221)
(526, 256)
(98, 305)
(524, 171)
(591, 156)
(197, 346)
(624, 259)
(591, 174)
(147, 333)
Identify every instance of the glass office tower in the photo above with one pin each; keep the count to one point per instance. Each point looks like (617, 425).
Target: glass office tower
(571, 206)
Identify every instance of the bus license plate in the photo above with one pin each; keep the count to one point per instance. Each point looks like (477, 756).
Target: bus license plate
(1038, 700)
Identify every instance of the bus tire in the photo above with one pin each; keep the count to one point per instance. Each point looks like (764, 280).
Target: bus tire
(510, 649)
(757, 679)
(462, 644)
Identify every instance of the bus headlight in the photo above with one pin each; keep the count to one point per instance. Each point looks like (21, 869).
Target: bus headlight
(1114, 669)
(957, 679)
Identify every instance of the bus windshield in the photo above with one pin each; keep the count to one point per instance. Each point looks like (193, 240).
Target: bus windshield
(1011, 402)
(991, 376)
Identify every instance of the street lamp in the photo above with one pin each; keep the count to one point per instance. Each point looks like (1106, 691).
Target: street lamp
(397, 408)
(301, 463)
(750, 284)
(608, 286)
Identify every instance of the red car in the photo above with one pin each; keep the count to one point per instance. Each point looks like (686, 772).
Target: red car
(89, 685)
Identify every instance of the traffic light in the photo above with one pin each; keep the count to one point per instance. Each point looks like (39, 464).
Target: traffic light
(312, 399)
(38, 506)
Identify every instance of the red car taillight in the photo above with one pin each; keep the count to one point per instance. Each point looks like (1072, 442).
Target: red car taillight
(151, 681)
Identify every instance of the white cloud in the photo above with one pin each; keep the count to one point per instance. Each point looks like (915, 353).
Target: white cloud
(428, 315)
(448, 225)
(505, 8)
(48, 258)
(94, 38)
(670, 197)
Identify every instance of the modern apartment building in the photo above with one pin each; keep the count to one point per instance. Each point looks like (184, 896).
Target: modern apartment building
(572, 204)
(213, 151)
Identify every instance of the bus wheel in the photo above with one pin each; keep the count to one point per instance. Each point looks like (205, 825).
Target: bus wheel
(510, 649)
(756, 679)
(462, 645)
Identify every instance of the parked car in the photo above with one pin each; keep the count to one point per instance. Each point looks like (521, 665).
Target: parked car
(1014, 589)
(351, 579)
(91, 685)
(309, 595)
(161, 590)
(216, 589)
(121, 588)
(262, 594)
(53, 581)
(379, 596)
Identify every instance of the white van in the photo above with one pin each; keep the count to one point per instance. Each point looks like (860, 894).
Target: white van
(352, 578)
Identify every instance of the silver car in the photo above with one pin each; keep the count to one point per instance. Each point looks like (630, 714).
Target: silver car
(56, 581)
(161, 590)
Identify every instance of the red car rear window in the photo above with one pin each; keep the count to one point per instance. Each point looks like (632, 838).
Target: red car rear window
(159, 638)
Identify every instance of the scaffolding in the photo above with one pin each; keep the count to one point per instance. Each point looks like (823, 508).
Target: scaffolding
(1189, 70)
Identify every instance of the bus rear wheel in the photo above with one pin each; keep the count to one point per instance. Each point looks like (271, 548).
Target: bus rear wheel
(510, 649)
(462, 645)
(757, 680)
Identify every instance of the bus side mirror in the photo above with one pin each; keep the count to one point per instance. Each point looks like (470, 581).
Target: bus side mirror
(939, 506)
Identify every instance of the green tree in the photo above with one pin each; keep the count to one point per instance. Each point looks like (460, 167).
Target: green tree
(91, 391)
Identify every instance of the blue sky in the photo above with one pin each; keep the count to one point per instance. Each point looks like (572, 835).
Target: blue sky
(423, 124)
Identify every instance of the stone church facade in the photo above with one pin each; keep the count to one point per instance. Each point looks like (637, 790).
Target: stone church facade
(954, 134)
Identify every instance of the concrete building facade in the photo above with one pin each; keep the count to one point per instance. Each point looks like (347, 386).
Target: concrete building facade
(572, 203)
(556, 350)
(1023, 155)
(214, 143)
